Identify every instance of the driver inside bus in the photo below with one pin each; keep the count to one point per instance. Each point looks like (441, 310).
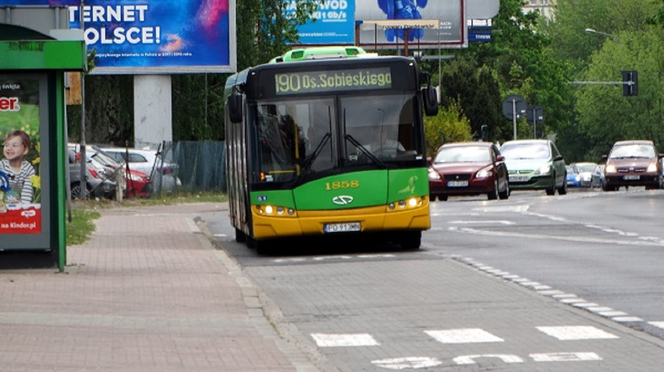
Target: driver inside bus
(382, 145)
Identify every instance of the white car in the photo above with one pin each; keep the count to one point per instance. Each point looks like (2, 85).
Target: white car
(162, 173)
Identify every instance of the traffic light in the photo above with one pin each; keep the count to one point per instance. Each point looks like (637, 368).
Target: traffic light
(630, 81)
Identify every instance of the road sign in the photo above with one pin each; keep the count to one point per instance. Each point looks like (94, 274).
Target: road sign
(514, 105)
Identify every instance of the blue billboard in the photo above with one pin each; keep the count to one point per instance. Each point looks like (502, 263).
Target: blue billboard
(152, 36)
(332, 23)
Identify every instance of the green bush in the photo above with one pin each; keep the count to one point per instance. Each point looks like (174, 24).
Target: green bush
(450, 125)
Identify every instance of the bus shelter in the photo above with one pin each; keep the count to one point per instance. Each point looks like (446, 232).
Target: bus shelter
(32, 130)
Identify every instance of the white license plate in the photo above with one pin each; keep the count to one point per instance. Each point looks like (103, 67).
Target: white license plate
(342, 227)
(518, 178)
(629, 177)
(457, 183)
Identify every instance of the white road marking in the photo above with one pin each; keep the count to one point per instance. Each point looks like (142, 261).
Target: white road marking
(572, 300)
(600, 309)
(627, 319)
(332, 257)
(470, 359)
(567, 333)
(657, 324)
(408, 362)
(463, 335)
(580, 239)
(342, 340)
(565, 357)
(502, 222)
(612, 313)
(585, 304)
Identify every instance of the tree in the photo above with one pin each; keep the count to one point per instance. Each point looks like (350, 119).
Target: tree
(450, 125)
(518, 60)
(265, 30)
(573, 17)
(604, 114)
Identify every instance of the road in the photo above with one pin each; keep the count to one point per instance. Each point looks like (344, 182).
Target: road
(533, 281)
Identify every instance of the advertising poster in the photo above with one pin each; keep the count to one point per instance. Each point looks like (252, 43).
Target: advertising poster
(153, 36)
(20, 183)
(428, 22)
(334, 25)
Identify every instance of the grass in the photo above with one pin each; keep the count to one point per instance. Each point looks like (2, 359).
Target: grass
(81, 226)
(85, 212)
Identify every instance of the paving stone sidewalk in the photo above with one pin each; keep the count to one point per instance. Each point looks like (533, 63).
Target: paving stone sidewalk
(148, 292)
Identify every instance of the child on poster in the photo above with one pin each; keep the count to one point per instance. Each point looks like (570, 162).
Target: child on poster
(18, 170)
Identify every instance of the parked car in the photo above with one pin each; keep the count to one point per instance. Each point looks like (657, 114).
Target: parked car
(598, 177)
(573, 176)
(633, 163)
(468, 168)
(162, 173)
(136, 183)
(586, 173)
(98, 183)
(535, 165)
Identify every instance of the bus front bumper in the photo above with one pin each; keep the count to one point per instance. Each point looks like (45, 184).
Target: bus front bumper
(372, 219)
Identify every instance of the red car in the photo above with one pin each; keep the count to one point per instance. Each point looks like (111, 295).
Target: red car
(633, 163)
(468, 168)
(137, 183)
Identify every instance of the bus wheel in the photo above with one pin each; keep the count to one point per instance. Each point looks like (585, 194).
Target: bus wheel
(410, 240)
(240, 236)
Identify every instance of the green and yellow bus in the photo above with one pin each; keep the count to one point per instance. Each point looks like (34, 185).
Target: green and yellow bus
(328, 140)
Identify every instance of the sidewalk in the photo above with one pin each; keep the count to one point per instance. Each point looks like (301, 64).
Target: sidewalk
(148, 292)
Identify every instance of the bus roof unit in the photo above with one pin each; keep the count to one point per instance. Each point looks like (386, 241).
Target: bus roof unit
(326, 52)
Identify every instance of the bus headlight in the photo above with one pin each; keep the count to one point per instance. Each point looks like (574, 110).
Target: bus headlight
(405, 204)
(274, 211)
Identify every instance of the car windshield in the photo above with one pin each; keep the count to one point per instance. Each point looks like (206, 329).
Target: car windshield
(463, 154)
(522, 151)
(571, 169)
(632, 151)
(586, 167)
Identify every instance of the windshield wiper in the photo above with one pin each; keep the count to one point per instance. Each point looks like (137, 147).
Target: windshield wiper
(364, 150)
(309, 160)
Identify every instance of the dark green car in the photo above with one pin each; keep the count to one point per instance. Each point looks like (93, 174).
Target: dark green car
(535, 165)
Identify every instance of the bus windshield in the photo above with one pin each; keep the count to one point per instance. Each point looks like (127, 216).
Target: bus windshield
(313, 135)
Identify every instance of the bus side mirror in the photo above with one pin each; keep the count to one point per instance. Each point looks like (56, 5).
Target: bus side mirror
(235, 108)
(430, 99)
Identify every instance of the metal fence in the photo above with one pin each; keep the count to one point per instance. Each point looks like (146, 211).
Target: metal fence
(200, 165)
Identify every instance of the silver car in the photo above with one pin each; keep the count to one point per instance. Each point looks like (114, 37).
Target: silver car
(100, 181)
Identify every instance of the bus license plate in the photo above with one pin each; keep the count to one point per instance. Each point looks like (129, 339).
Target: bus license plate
(457, 183)
(631, 177)
(342, 227)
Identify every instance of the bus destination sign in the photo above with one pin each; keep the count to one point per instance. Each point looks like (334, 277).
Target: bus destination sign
(332, 80)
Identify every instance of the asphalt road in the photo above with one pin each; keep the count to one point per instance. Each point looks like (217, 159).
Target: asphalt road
(605, 247)
(533, 281)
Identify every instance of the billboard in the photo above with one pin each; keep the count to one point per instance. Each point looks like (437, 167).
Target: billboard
(420, 22)
(153, 36)
(334, 24)
(23, 176)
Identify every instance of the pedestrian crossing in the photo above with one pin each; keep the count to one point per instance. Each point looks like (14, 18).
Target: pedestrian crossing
(464, 336)
(471, 336)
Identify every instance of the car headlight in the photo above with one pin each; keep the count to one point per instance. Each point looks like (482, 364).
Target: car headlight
(485, 172)
(433, 175)
(543, 170)
(652, 167)
(610, 168)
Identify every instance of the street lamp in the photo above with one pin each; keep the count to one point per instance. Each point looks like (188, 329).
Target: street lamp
(591, 31)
